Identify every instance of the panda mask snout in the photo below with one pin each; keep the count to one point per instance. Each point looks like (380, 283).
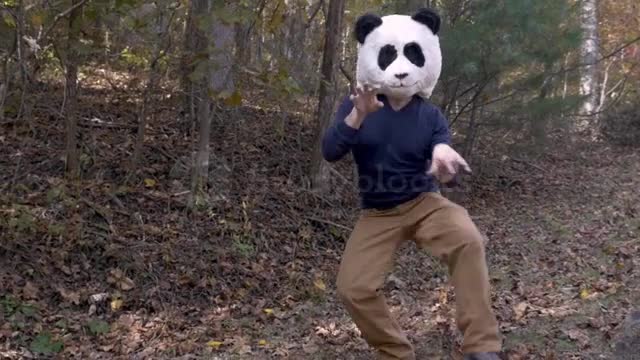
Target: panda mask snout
(400, 73)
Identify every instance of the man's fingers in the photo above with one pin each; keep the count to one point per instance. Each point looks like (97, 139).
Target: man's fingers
(465, 166)
(432, 169)
(451, 168)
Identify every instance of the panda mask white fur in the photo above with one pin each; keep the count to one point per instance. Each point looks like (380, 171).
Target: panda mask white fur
(399, 54)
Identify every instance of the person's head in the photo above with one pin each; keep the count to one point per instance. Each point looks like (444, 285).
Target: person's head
(399, 54)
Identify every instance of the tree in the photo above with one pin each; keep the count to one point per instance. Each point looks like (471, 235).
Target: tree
(326, 99)
(71, 90)
(497, 62)
(212, 44)
(160, 27)
(590, 54)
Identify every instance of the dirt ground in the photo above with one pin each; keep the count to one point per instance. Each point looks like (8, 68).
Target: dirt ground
(115, 267)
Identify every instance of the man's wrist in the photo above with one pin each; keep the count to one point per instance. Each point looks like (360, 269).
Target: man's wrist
(441, 145)
(354, 119)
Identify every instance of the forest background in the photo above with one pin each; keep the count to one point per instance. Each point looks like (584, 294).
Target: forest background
(162, 193)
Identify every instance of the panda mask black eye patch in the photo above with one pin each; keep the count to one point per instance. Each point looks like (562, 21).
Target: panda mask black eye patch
(413, 52)
(387, 55)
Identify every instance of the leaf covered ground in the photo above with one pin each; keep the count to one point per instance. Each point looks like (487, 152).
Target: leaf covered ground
(115, 267)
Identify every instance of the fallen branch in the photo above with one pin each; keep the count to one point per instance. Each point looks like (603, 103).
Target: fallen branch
(106, 125)
(341, 177)
(528, 164)
(328, 223)
(100, 212)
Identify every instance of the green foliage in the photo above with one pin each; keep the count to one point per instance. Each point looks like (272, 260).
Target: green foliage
(9, 305)
(507, 36)
(56, 193)
(280, 81)
(501, 51)
(22, 221)
(98, 327)
(8, 21)
(9, 3)
(131, 58)
(243, 246)
(45, 344)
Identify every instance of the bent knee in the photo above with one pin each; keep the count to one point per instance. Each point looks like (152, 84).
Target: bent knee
(464, 226)
(468, 234)
(349, 290)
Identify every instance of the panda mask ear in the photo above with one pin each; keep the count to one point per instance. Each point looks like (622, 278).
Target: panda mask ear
(365, 25)
(429, 18)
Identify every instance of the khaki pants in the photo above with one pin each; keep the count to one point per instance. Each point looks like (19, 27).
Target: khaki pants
(445, 230)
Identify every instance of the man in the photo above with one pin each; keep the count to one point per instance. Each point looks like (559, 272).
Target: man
(392, 139)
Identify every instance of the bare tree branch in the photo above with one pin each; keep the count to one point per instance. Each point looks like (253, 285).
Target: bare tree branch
(603, 58)
(314, 13)
(349, 78)
(57, 18)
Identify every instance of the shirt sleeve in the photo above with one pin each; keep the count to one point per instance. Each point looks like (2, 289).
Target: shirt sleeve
(440, 130)
(339, 137)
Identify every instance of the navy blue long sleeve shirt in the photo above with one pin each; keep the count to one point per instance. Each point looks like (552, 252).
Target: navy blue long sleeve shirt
(392, 150)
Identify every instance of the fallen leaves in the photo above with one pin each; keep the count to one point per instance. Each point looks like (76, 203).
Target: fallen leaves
(70, 296)
(215, 344)
(116, 277)
(519, 310)
(584, 294)
(116, 304)
(193, 269)
(578, 336)
(310, 347)
(95, 300)
(30, 291)
(149, 183)
(319, 284)
(524, 310)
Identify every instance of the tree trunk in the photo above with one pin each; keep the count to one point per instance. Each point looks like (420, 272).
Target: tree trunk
(186, 66)
(603, 87)
(71, 92)
(590, 55)
(160, 46)
(5, 82)
(22, 58)
(217, 77)
(319, 168)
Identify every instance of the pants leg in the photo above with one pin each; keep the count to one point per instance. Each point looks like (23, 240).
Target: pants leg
(367, 259)
(446, 230)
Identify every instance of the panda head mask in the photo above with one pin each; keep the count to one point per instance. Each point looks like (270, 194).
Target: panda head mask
(399, 54)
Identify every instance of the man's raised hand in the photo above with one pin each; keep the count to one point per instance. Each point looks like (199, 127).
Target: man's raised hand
(446, 163)
(365, 101)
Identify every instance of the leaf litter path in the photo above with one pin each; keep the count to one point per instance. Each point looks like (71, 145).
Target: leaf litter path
(561, 250)
(133, 278)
